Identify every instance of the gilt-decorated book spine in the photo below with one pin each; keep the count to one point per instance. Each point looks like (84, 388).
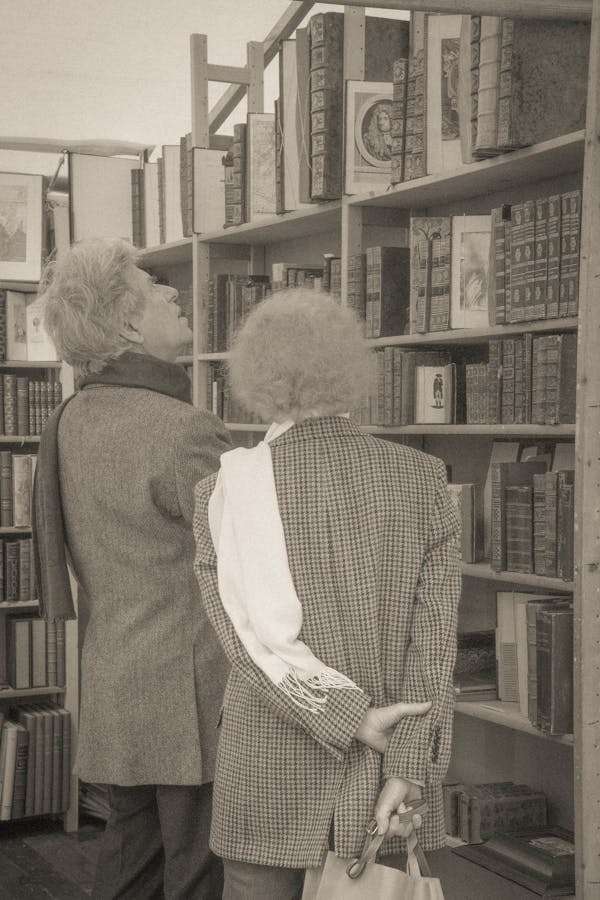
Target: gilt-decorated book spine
(519, 386)
(399, 100)
(2, 325)
(529, 260)
(6, 495)
(565, 266)
(508, 381)
(24, 570)
(497, 283)
(505, 87)
(495, 381)
(562, 380)
(517, 264)
(423, 285)
(508, 266)
(397, 402)
(279, 162)
(227, 162)
(554, 251)
(11, 571)
(541, 349)
(45, 403)
(10, 404)
(475, 51)
(415, 165)
(327, 103)
(388, 381)
(550, 505)
(498, 512)
(541, 258)
(22, 406)
(528, 373)
(439, 310)
(539, 524)
(38, 407)
(569, 279)
(136, 231)
(31, 407)
(357, 283)
(565, 524)
(57, 392)
(519, 528)
(239, 174)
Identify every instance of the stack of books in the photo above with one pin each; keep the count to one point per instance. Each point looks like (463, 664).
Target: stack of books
(26, 403)
(35, 761)
(477, 812)
(36, 652)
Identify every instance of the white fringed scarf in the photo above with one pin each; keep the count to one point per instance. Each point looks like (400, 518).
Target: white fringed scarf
(255, 582)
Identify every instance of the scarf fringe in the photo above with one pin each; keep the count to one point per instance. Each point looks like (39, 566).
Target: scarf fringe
(301, 688)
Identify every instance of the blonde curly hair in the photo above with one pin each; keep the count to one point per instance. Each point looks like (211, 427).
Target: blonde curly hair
(300, 354)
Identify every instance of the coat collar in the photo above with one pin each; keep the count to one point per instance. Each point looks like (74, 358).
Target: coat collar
(321, 427)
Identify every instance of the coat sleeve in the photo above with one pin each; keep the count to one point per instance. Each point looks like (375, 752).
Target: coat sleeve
(419, 749)
(198, 447)
(336, 723)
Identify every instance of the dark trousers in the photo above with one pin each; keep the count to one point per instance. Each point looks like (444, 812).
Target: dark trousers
(155, 845)
(246, 881)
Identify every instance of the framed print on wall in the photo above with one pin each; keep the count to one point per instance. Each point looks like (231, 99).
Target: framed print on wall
(21, 217)
(368, 136)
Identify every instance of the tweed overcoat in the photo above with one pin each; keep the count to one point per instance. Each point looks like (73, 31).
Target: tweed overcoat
(152, 669)
(373, 548)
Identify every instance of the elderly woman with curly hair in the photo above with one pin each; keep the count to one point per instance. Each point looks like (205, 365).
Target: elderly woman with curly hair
(329, 563)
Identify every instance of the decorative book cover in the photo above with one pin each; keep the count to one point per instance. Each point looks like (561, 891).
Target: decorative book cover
(291, 139)
(416, 100)
(302, 107)
(504, 475)
(22, 226)
(471, 238)
(435, 400)
(260, 169)
(399, 100)
(16, 326)
(424, 231)
(444, 152)
(554, 627)
(39, 346)
(368, 136)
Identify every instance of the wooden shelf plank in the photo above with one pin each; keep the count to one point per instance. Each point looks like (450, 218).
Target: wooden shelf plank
(28, 604)
(301, 222)
(551, 431)
(30, 364)
(15, 529)
(185, 360)
(19, 438)
(484, 571)
(24, 287)
(474, 335)
(168, 254)
(509, 715)
(11, 693)
(547, 160)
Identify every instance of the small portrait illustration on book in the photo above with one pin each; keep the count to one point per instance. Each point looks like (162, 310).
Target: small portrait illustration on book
(376, 130)
(474, 270)
(438, 391)
(369, 140)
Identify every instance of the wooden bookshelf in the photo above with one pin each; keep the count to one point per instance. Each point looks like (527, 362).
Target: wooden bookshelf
(17, 605)
(484, 572)
(466, 336)
(15, 529)
(317, 218)
(510, 716)
(23, 287)
(526, 431)
(30, 364)
(168, 254)
(19, 438)
(13, 694)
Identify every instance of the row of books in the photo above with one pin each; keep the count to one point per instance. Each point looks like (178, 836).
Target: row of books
(527, 380)
(527, 660)
(17, 571)
(35, 761)
(532, 515)
(534, 259)
(26, 403)
(23, 337)
(230, 299)
(476, 812)
(35, 652)
(473, 87)
(17, 471)
(161, 196)
(219, 399)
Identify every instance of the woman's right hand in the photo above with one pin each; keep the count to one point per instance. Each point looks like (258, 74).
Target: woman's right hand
(378, 723)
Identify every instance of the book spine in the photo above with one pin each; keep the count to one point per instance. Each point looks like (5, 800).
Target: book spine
(399, 95)
(424, 286)
(497, 284)
(162, 213)
(475, 54)
(552, 377)
(519, 392)
(487, 101)
(2, 325)
(388, 381)
(574, 250)
(11, 572)
(529, 260)
(22, 469)
(415, 165)
(517, 264)
(31, 406)
(541, 258)
(22, 392)
(565, 525)
(20, 781)
(439, 311)
(136, 211)
(10, 404)
(507, 266)
(498, 524)
(51, 652)
(24, 581)
(527, 374)
(508, 381)
(551, 534)
(505, 87)
(539, 524)
(397, 400)
(495, 382)
(326, 104)
(357, 284)
(531, 663)
(6, 495)
(279, 161)
(60, 653)
(38, 407)
(565, 262)
(538, 381)
(554, 252)
(519, 528)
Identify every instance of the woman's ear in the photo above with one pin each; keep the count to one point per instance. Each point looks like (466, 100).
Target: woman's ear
(130, 332)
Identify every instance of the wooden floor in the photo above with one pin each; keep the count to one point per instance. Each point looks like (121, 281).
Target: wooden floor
(38, 861)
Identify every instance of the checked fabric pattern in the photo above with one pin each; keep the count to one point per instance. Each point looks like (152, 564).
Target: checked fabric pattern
(373, 547)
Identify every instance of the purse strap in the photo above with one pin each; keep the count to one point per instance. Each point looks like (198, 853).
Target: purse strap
(416, 865)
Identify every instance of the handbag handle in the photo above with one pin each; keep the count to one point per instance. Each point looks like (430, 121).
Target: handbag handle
(416, 864)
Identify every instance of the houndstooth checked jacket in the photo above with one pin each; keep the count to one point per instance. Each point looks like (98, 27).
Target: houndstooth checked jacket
(372, 541)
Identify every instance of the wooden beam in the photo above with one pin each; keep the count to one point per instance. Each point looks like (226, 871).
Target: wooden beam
(256, 67)
(229, 74)
(587, 503)
(283, 28)
(354, 43)
(221, 142)
(91, 147)
(527, 9)
(199, 65)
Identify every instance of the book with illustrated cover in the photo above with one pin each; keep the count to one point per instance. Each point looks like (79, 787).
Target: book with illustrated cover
(471, 237)
(430, 254)
(444, 153)
(435, 394)
(292, 140)
(260, 169)
(368, 136)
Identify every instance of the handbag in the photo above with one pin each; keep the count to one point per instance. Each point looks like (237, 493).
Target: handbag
(364, 879)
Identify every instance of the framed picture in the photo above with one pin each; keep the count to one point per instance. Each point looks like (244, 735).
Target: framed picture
(470, 268)
(21, 217)
(368, 136)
